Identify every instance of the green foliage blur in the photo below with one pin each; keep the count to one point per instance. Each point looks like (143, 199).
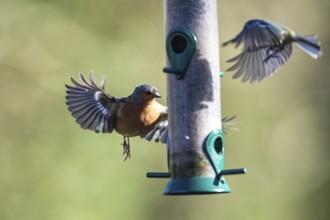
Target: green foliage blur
(50, 169)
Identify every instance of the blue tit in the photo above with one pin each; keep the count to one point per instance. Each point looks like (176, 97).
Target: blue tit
(266, 47)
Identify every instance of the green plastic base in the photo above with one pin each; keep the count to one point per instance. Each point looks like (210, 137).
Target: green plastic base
(196, 185)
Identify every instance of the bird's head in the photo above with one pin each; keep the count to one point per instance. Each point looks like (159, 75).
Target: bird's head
(145, 93)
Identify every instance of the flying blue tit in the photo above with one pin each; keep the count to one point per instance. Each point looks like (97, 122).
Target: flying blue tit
(266, 47)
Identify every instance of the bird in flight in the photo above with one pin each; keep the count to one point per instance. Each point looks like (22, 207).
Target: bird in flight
(136, 115)
(266, 47)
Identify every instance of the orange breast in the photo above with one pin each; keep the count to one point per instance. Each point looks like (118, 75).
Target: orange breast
(135, 120)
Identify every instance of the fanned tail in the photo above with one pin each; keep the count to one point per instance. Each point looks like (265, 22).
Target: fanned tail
(309, 45)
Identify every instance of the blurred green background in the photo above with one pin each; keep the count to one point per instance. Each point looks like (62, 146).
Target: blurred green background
(51, 169)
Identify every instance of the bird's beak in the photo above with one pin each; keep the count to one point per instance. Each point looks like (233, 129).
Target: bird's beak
(157, 95)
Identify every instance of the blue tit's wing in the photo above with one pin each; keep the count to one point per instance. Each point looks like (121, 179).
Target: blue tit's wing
(258, 34)
(255, 65)
(91, 107)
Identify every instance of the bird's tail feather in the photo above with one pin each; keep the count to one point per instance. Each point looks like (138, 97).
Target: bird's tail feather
(310, 45)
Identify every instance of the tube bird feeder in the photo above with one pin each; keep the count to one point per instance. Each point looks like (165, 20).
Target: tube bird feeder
(196, 142)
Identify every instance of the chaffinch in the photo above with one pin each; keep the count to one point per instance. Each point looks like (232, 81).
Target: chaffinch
(136, 115)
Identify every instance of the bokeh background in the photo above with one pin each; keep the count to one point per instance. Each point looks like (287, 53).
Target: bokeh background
(51, 169)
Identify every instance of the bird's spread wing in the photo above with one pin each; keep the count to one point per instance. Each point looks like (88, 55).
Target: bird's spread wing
(257, 34)
(160, 132)
(255, 65)
(261, 34)
(264, 50)
(91, 107)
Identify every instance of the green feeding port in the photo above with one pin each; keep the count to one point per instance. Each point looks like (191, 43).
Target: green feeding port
(214, 151)
(214, 148)
(181, 45)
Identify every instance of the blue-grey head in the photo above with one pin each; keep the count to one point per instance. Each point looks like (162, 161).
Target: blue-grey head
(145, 93)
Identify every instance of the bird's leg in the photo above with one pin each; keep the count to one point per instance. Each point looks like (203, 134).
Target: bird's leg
(272, 51)
(126, 148)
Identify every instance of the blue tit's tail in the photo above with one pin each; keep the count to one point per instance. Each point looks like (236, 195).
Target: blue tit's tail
(309, 45)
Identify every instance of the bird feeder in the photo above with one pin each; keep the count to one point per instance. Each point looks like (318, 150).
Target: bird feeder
(196, 149)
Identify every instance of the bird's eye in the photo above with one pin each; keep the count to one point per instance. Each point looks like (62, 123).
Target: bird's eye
(149, 93)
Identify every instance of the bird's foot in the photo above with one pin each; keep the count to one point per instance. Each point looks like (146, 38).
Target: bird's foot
(272, 52)
(126, 148)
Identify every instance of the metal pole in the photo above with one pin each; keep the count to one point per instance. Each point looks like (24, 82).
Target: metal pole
(193, 101)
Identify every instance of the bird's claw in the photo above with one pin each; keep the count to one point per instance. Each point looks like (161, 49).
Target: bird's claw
(272, 52)
(126, 149)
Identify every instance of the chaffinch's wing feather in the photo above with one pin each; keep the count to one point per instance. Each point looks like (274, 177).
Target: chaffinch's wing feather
(91, 107)
(160, 131)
